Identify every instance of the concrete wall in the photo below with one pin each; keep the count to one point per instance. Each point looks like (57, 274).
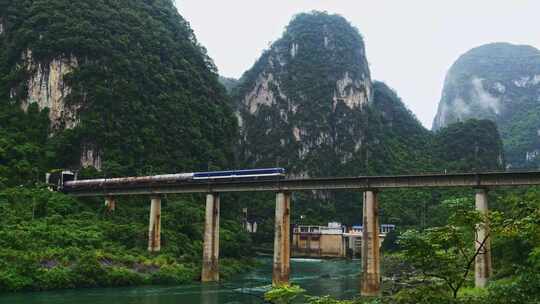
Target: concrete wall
(318, 245)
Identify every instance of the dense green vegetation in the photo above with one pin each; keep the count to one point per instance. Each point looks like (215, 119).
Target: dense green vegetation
(151, 97)
(473, 145)
(397, 141)
(228, 83)
(441, 257)
(52, 241)
(150, 103)
(23, 145)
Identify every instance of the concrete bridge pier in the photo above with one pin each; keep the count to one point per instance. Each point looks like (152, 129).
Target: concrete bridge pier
(482, 267)
(371, 267)
(210, 267)
(110, 203)
(154, 227)
(282, 234)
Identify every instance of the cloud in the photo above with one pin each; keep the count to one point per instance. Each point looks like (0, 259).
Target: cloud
(483, 97)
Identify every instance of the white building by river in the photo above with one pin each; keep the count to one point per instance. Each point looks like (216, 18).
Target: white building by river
(334, 240)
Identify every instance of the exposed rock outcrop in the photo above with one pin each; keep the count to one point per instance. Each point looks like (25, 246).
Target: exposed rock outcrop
(263, 93)
(47, 87)
(91, 156)
(353, 93)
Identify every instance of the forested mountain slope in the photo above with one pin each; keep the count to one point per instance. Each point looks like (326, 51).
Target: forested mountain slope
(470, 146)
(118, 86)
(500, 82)
(127, 86)
(228, 83)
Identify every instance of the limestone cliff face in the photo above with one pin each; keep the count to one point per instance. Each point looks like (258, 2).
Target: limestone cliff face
(46, 86)
(303, 101)
(499, 82)
(91, 156)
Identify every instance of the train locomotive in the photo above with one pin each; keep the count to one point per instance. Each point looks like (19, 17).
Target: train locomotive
(67, 179)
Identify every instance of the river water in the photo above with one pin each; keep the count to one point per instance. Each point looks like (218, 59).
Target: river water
(338, 278)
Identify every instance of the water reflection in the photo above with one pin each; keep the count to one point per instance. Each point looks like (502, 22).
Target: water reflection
(209, 293)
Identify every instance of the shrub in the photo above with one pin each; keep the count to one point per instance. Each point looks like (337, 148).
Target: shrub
(523, 289)
(390, 243)
(326, 300)
(54, 278)
(173, 274)
(424, 295)
(122, 276)
(89, 272)
(12, 281)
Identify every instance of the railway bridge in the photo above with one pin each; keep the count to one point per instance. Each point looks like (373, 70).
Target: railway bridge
(110, 189)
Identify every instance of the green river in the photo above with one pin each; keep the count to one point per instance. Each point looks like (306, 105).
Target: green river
(338, 278)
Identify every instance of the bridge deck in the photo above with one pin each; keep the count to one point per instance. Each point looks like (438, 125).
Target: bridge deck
(489, 179)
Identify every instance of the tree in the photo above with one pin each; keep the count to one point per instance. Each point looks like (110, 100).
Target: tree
(518, 251)
(446, 254)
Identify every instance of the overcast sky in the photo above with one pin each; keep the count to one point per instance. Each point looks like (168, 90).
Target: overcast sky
(410, 44)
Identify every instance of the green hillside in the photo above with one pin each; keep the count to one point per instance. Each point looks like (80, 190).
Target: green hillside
(137, 95)
(144, 92)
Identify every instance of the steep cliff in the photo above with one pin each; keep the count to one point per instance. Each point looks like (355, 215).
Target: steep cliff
(500, 82)
(126, 85)
(302, 104)
(47, 88)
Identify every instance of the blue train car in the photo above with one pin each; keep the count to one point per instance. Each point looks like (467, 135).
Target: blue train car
(249, 173)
